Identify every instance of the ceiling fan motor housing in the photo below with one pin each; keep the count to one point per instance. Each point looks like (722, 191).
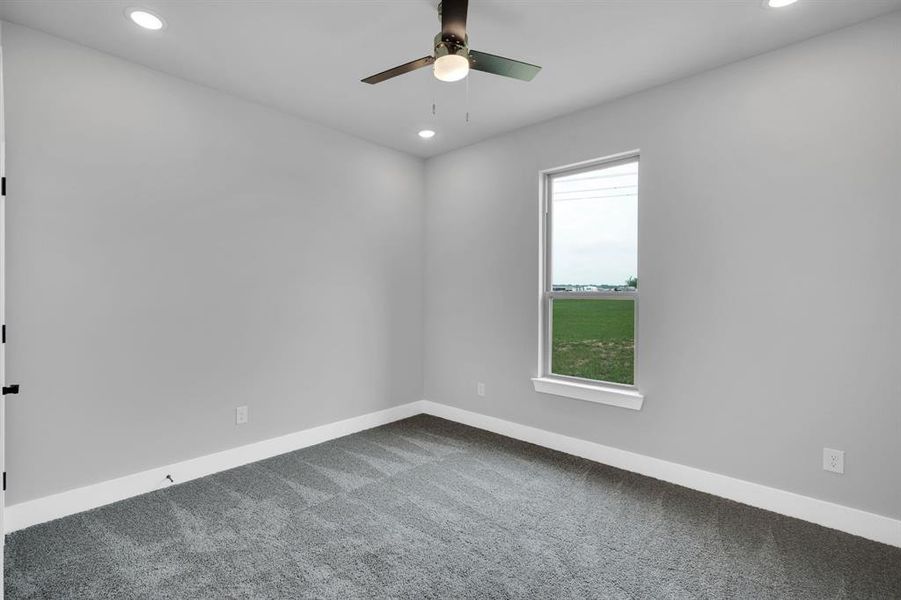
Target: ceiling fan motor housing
(445, 45)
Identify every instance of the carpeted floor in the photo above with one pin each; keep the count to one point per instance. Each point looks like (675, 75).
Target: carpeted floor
(425, 508)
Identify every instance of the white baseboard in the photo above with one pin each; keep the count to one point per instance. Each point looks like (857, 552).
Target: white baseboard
(835, 516)
(48, 508)
(850, 520)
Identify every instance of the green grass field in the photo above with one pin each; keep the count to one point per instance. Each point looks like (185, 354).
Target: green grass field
(594, 339)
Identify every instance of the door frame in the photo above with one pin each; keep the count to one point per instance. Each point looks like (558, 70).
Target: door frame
(2, 313)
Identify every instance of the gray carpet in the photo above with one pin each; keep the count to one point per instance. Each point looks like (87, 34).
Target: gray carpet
(425, 508)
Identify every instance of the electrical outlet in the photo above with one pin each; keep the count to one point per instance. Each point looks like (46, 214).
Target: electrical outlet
(480, 389)
(833, 460)
(240, 415)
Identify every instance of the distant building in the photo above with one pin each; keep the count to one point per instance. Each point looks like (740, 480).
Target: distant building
(568, 287)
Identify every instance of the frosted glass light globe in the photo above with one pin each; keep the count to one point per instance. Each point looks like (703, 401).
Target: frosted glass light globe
(451, 67)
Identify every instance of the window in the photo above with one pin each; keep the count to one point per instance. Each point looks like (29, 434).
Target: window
(590, 277)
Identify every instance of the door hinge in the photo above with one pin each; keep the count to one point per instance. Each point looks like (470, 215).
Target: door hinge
(11, 389)
(3, 185)
(3, 334)
(4, 481)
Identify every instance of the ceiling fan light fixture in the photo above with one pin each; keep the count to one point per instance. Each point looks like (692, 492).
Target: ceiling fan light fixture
(451, 67)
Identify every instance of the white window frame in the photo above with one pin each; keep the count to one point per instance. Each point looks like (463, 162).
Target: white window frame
(547, 382)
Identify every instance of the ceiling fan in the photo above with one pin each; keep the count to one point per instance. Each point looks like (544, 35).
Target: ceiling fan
(453, 58)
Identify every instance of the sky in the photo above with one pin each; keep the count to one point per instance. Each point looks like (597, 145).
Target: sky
(595, 226)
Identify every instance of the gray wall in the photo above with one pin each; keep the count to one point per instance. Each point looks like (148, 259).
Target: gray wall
(769, 266)
(174, 253)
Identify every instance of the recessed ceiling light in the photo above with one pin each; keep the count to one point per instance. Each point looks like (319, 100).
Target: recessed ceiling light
(779, 3)
(426, 134)
(145, 19)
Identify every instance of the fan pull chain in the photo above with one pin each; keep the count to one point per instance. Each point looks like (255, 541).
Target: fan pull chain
(435, 92)
(467, 99)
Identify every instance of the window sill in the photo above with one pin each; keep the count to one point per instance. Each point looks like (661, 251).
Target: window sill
(614, 396)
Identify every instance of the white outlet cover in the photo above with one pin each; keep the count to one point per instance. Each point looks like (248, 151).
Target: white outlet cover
(480, 388)
(241, 415)
(833, 460)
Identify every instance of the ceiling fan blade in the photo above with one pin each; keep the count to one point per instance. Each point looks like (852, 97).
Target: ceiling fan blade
(498, 65)
(453, 19)
(404, 68)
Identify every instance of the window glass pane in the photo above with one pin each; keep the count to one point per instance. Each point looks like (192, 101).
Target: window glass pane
(594, 235)
(594, 339)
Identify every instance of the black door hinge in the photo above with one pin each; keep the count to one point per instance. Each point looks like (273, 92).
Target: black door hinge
(11, 389)
(3, 186)
(4, 481)
(3, 334)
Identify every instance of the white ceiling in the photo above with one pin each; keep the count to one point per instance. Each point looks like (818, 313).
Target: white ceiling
(307, 56)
